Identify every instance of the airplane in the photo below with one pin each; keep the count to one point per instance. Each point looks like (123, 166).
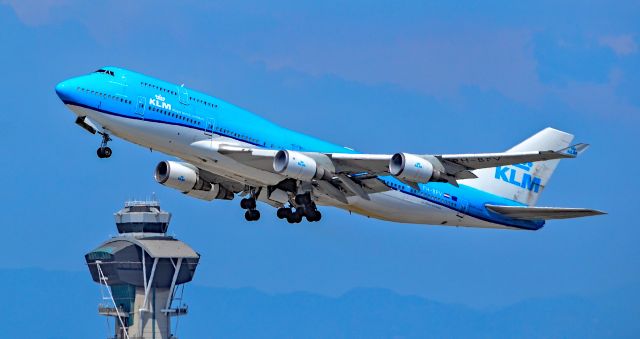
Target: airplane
(226, 151)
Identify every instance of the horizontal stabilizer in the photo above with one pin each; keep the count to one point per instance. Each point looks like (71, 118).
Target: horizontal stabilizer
(542, 213)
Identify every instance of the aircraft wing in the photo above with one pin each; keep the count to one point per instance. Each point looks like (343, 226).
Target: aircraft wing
(378, 164)
(542, 213)
(354, 174)
(374, 164)
(254, 157)
(485, 160)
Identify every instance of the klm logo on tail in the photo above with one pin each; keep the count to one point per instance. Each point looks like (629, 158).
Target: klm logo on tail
(515, 176)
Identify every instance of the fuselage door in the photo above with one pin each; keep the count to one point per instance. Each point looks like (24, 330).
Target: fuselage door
(208, 127)
(183, 95)
(140, 106)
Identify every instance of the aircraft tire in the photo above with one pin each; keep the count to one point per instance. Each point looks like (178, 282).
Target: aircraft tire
(248, 203)
(283, 212)
(107, 152)
(252, 215)
(318, 216)
(315, 216)
(294, 218)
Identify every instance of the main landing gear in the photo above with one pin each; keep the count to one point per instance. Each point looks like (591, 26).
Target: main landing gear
(301, 207)
(249, 204)
(305, 208)
(104, 151)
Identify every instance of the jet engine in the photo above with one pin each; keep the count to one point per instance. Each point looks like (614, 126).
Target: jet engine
(297, 166)
(185, 178)
(411, 167)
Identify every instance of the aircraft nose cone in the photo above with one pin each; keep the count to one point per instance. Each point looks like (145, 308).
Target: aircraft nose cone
(63, 89)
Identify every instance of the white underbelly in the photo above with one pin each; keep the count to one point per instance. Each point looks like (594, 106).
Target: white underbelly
(404, 208)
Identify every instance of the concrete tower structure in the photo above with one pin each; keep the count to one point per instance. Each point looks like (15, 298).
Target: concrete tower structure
(141, 270)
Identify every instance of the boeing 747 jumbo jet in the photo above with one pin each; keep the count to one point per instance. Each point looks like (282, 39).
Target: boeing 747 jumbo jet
(226, 151)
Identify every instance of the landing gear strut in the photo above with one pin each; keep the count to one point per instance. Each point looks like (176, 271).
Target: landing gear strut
(249, 204)
(104, 151)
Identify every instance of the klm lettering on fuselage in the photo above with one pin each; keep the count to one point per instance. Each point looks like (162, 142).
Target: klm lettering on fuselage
(159, 101)
(515, 176)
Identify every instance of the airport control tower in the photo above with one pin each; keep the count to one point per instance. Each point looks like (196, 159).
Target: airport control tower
(142, 269)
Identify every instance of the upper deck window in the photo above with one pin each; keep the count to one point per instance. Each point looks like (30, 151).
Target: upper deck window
(105, 72)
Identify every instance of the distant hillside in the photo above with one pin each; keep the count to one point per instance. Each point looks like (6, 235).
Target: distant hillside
(47, 304)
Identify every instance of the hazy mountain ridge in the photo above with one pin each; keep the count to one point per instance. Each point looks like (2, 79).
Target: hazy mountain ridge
(63, 305)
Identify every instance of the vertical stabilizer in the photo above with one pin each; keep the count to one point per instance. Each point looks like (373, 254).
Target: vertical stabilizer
(523, 182)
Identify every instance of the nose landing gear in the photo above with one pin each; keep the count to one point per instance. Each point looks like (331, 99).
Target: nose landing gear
(104, 151)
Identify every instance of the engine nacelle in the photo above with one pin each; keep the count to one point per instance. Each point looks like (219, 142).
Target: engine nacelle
(185, 178)
(411, 168)
(216, 191)
(296, 165)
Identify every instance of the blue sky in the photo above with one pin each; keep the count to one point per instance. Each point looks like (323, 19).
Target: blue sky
(415, 77)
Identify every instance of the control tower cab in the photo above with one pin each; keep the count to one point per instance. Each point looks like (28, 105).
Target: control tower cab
(141, 270)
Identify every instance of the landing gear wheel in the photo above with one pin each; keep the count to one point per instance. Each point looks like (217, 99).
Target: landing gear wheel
(315, 216)
(283, 213)
(107, 152)
(295, 217)
(252, 215)
(299, 215)
(291, 219)
(104, 152)
(248, 203)
(255, 214)
(309, 210)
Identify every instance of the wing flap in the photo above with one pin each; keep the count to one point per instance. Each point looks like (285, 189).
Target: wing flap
(542, 213)
(376, 164)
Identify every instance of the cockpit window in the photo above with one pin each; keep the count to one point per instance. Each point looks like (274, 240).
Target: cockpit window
(105, 72)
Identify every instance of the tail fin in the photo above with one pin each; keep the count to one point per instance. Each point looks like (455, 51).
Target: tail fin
(523, 182)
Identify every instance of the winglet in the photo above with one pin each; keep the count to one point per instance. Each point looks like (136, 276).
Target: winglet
(574, 150)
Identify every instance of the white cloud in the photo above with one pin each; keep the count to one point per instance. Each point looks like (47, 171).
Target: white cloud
(620, 44)
(598, 99)
(34, 12)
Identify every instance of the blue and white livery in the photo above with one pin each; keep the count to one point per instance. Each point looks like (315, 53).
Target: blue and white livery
(226, 151)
